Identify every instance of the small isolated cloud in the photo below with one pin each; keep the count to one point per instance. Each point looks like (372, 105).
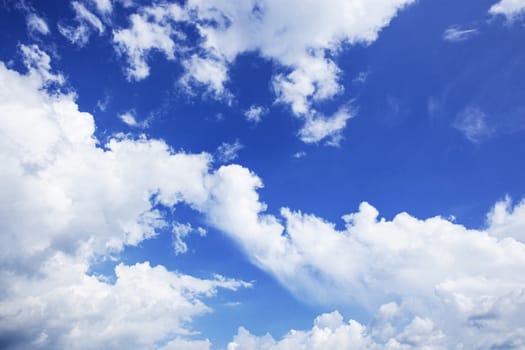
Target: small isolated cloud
(36, 24)
(180, 233)
(102, 104)
(457, 34)
(228, 151)
(472, 122)
(86, 23)
(129, 119)
(319, 127)
(511, 9)
(298, 155)
(255, 113)
(361, 77)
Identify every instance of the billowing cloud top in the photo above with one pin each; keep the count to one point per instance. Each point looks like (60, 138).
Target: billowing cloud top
(69, 200)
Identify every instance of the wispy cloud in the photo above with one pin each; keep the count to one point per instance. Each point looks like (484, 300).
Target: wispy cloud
(472, 122)
(228, 151)
(456, 34)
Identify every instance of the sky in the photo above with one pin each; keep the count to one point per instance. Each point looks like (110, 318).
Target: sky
(262, 174)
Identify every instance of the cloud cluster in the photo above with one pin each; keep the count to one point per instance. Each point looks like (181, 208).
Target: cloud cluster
(302, 39)
(67, 202)
(330, 332)
(465, 286)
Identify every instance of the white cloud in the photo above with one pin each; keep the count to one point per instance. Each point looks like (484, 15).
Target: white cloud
(426, 266)
(65, 308)
(509, 8)
(330, 332)
(229, 151)
(255, 113)
(211, 73)
(361, 77)
(299, 155)
(66, 202)
(38, 64)
(103, 6)
(129, 119)
(319, 127)
(36, 24)
(302, 39)
(183, 344)
(86, 22)
(180, 232)
(150, 30)
(472, 122)
(457, 34)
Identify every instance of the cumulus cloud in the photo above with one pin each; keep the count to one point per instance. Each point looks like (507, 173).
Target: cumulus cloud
(457, 34)
(511, 9)
(255, 113)
(210, 72)
(425, 266)
(86, 23)
(330, 332)
(302, 39)
(66, 202)
(150, 30)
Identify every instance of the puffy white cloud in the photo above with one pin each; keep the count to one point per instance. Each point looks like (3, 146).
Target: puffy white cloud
(255, 113)
(330, 332)
(456, 34)
(453, 285)
(86, 23)
(302, 39)
(509, 8)
(209, 72)
(228, 151)
(65, 308)
(66, 202)
(36, 24)
(103, 6)
(150, 30)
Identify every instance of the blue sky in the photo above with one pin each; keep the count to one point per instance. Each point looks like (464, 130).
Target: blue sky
(262, 174)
